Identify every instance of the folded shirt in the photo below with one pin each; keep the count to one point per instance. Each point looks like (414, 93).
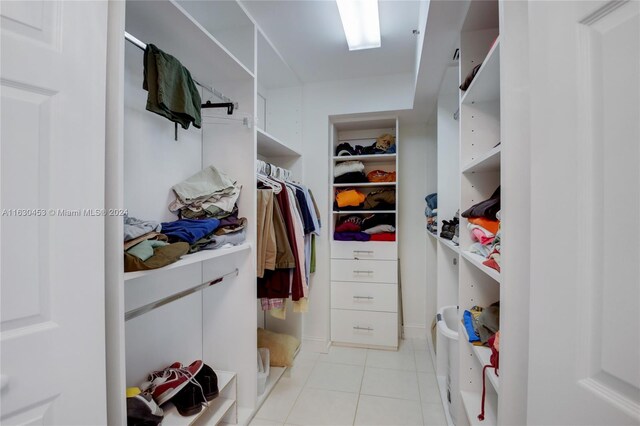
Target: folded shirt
(189, 230)
(213, 241)
(380, 229)
(162, 256)
(144, 250)
(381, 176)
(487, 209)
(351, 236)
(203, 185)
(432, 201)
(134, 228)
(349, 197)
(378, 219)
(481, 237)
(349, 224)
(384, 236)
(490, 225)
(347, 167)
(351, 177)
(375, 198)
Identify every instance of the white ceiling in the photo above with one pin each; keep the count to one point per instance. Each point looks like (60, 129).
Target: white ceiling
(309, 36)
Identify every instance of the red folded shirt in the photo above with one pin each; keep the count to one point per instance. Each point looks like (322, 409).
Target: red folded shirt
(348, 227)
(384, 236)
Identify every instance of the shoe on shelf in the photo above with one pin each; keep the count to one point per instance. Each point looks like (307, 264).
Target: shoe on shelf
(209, 382)
(165, 384)
(142, 410)
(189, 400)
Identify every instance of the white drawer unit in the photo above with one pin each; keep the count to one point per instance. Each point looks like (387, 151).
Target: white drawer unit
(370, 271)
(364, 296)
(364, 250)
(364, 327)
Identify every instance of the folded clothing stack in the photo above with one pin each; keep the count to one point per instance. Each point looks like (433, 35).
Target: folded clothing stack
(484, 225)
(482, 323)
(381, 176)
(208, 194)
(349, 172)
(352, 199)
(431, 212)
(375, 227)
(384, 144)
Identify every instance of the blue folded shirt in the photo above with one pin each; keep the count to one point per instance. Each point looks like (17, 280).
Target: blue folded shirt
(467, 320)
(189, 230)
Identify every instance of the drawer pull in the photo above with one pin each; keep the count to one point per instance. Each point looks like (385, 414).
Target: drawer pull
(363, 272)
(363, 251)
(363, 328)
(363, 297)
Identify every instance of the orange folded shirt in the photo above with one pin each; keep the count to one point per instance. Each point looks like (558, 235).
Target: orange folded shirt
(490, 225)
(381, 176)
(350, 197)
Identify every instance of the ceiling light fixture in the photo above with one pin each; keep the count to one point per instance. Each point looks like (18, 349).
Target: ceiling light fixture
(361, 23)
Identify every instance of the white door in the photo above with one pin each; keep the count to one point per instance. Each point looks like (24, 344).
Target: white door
(584, 353)
(53, 67)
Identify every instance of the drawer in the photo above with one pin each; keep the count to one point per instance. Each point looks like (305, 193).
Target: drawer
(384, 250)
(364, 296)
(367, 271)
(364, 328)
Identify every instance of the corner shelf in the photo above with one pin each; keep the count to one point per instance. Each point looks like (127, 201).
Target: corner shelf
(374, 158)
(477, 260)
(189, 259)
(449, 244)
(217, 409)
(489, 162)
(486, 84)
(270, 146)
(363, 185)
(483, 355)
(472, 402)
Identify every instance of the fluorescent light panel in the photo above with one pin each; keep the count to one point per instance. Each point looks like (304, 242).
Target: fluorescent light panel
(361, 23)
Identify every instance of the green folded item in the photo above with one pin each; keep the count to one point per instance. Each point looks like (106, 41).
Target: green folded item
(144, 250)
(162, 256)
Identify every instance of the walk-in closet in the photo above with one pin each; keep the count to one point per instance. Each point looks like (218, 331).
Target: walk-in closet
(320, 212)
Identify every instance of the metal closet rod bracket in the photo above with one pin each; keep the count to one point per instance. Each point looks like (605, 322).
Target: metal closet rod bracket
(228, 105)
(133, 313)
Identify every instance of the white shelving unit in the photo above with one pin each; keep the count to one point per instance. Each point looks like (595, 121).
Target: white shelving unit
(270, 146)
(480, 160)
(374, 324)
(450, 245)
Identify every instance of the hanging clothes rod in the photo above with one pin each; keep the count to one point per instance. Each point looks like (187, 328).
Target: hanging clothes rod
(133, 313)
(136, 42)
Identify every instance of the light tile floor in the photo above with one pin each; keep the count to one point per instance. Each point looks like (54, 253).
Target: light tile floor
(351, 386)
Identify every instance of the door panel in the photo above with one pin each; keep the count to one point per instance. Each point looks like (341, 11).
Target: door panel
(52, 329)
(585, 192)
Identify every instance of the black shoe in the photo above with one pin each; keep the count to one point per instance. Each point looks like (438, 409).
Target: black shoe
(189, 400)
(209, 382)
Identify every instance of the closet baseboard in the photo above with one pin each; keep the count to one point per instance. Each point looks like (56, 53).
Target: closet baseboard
(315, 344)
(415, 331)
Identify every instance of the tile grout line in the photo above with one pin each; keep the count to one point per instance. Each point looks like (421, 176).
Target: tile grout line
(304, 386)
(364, 371)
(420, 403)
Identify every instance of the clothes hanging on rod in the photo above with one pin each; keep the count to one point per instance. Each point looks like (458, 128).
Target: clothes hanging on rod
(141, 45)
(288, 221)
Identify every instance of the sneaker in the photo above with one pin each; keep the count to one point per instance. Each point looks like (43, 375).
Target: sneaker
(165, 384)
(189, 400)
(209, 382)
(143, 410)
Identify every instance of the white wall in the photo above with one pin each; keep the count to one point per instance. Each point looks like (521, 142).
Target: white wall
(321, 100)
(417, 178)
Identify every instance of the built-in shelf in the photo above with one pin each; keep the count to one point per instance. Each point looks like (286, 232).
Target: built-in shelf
(485, 87)
(432, 235)
(215, 410)
(363, 211)
(450, 245)
(483, 355)
(489, 162)
(476, 260)
(270, 146)
(375, 158)
(442, 386)
(363, 185)
(189, 259)
(472, 402)
(206, 56)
